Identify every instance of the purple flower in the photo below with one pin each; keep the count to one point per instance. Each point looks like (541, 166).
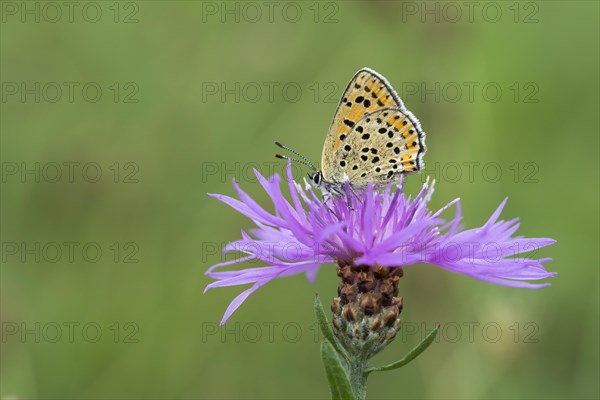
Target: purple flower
(384, 228)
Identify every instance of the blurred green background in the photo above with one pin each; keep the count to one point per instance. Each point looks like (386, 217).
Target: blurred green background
(194, 94)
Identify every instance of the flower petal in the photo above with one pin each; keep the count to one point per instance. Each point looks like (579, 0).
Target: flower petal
(369, 227)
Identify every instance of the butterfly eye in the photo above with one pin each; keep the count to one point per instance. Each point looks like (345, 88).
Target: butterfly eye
(316, 178)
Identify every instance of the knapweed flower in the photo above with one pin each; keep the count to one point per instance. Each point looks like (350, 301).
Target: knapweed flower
(371, 235)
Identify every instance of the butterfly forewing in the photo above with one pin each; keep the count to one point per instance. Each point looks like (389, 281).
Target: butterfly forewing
(367, 92)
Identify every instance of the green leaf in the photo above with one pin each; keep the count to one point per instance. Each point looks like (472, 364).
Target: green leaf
(414, 353)
(326, 328)
(339, 383)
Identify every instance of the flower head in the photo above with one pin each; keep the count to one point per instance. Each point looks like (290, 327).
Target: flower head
(370, 228)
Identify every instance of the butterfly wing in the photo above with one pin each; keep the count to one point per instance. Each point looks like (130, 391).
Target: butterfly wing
(367, 94)
(382, 145)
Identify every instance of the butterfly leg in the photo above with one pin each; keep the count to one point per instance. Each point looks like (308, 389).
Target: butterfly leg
(326, 198)
(354, 193)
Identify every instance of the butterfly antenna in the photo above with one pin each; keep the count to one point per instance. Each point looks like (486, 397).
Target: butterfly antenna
(305, 161)
(296, 160)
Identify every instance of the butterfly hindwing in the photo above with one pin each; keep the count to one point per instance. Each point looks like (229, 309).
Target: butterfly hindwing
(381, 145)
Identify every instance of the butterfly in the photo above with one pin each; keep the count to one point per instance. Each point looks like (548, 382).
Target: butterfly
(373, 138)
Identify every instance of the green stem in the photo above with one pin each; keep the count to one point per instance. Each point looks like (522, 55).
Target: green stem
(358, 378)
